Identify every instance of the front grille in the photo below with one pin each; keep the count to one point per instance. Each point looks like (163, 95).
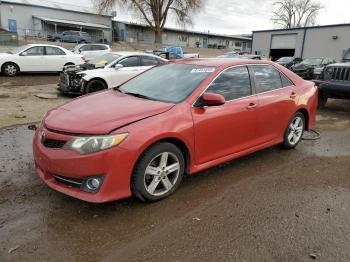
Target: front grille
(340, 73)
(74, 182)
(52, 143)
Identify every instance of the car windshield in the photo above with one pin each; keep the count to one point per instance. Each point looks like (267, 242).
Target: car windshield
(167, 83)
(18, 49)
(347, 55)
(312, 61)
(103, 60)
(285, 59)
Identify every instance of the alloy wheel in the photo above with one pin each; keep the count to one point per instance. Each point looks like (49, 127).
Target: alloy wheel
(10, 70)
(162, 174)
(296, 128)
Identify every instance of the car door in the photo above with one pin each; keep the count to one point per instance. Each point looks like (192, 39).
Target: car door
(55, 58)
(33, 59)
(223, 130)
(131, 67)
(277, 101)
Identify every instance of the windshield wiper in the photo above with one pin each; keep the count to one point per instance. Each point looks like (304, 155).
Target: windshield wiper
(137, 95)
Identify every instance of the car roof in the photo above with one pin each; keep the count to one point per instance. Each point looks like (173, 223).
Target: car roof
(220, 62)
(129, 53)
(33, 45)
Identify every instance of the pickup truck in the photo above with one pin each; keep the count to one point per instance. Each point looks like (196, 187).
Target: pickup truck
(334, 82)
(179, 52)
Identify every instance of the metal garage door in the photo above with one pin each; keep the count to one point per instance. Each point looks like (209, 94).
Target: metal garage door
(287, 41)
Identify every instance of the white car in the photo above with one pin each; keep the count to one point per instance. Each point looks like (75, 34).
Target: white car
(37, 58)
(90, 51)
(106, 71)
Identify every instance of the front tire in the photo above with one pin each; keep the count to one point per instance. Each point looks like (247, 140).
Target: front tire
(294, 131)
(94, 86)
(158, 172)
(322, 101)
(10, 69)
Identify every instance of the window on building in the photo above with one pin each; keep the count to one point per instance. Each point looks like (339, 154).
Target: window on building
(54, 51)
(238, 44)
(232, 84)
(183, 38)
(267, 78)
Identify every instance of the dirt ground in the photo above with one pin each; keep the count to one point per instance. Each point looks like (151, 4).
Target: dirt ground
(274, 205)
(18, 103)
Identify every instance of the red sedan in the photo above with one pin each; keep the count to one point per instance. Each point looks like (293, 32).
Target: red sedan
(179, 118)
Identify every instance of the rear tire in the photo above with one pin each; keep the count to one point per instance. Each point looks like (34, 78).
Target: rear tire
(94, 86)
(158, 172)
(294, 131)
(10, 69)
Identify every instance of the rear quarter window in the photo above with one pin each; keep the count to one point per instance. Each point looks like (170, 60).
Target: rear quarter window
(267, 78)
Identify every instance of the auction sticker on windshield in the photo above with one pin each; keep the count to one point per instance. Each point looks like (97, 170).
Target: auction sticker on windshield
(203, 70)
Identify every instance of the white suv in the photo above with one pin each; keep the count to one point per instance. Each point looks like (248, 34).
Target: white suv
(90, 51)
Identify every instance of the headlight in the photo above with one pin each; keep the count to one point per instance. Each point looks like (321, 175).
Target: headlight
(91, 144)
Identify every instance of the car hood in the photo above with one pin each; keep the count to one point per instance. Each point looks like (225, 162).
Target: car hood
(94, 71)
(101, 113)
(302, 66)
(4, 55)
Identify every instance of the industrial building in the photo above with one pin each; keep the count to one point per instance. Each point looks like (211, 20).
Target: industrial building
(35, 18)
(314, 41)
(142, 34)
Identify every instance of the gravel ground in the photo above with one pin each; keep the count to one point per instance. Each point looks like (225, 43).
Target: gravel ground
(274, 205)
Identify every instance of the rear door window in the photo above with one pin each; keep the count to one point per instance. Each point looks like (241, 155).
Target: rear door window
(149, 61)
(232, 84)
(267, 78)
(130, 61)
(54, 51)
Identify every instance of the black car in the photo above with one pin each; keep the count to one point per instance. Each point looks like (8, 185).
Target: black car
(334, 82)
(289, 61)
(312, 68)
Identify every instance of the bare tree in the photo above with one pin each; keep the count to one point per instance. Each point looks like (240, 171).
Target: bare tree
(156, 12)
(296, 13)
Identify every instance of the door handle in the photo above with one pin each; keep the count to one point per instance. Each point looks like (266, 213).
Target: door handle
(251, 106)
(293, 95)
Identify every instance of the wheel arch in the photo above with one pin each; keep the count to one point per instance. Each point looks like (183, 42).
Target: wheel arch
(92, 79)
(4, 63)
(306, 115)
(179, 143)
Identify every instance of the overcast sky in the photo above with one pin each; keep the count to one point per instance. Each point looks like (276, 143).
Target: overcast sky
(242, 16)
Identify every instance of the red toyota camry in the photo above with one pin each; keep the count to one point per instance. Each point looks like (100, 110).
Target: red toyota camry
(179, 118)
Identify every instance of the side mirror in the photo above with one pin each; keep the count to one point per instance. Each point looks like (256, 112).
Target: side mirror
(24, 54)
(118, 66)
(212, 99)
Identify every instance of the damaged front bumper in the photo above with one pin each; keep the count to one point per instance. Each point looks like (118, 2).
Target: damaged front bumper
(71, 83)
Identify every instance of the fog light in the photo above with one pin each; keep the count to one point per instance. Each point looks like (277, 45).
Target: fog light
(92, 184)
